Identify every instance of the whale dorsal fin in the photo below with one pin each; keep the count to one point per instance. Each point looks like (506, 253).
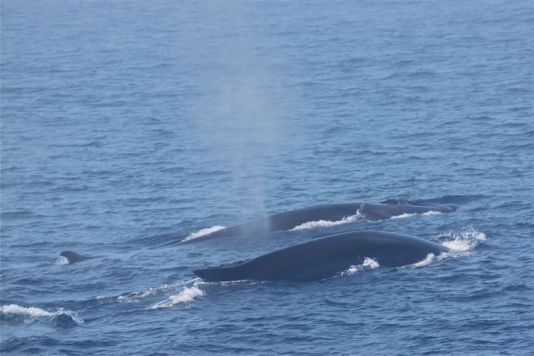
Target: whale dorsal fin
(73, 257)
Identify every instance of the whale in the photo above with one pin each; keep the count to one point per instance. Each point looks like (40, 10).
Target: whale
(324, 257)
(73, 257)
(330, 212)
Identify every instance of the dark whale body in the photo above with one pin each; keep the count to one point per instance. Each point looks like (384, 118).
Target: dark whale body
(326, 256)
(74, 257)
(331, 212)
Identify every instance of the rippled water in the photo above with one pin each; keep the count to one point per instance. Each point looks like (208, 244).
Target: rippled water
(127, 126)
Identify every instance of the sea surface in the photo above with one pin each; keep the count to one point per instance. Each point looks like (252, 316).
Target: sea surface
(128, 126)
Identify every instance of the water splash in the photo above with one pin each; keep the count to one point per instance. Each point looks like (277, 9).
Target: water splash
(460, 243)
(403, 216)
(62, 261)
(426, 261)
(187, 294)
(153, 291)
(464, 240)
(368, 263)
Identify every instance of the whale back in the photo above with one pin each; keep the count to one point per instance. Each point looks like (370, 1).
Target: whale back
(73, 257)
(325, 256)
(330, 212)
(388, 210)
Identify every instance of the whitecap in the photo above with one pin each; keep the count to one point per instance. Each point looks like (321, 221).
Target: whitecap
(14, 309)
(16, 312)
(203, 232)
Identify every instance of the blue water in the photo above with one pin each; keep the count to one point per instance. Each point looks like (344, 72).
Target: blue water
(127, 126)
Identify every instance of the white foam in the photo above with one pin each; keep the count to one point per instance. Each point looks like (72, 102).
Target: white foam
(188, 290)
(136, 296)
(14, 309)
(62, 261)
(11, 311)
(459, 243)
(368, 263)
(464, 240)
(403, 216)
(432, 212)
(148, 292)
(409, 215)
(204, 232)
(327, 223)
(187, 294)
(426, 261)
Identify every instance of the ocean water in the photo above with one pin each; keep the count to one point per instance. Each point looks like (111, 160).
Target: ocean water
(128, 126)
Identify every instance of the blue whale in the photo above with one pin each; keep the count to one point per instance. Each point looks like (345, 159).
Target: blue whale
(326, 256)
(331, 212)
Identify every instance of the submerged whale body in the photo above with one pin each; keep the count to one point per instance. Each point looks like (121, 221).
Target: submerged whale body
(329, 212)
(74, 257)
(326, 256)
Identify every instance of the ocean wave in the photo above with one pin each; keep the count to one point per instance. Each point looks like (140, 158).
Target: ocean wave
(203, 232)
(368, 263)
(17, 313)
(327, 223)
